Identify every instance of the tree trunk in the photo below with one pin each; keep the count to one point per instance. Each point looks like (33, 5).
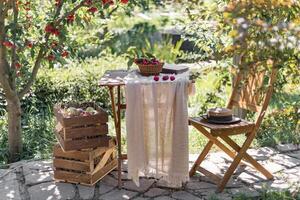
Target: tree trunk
(14, 128)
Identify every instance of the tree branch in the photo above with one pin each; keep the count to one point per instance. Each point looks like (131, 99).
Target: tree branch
(42, 51)
(59, 20)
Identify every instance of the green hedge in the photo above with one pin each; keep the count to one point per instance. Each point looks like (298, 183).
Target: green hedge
(78, 82)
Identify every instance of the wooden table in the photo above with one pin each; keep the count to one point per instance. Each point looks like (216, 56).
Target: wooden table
(114, 79)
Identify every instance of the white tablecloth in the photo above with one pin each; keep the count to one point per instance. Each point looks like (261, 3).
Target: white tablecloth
(157, 128)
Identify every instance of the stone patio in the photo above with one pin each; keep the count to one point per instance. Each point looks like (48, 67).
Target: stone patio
(34, 180)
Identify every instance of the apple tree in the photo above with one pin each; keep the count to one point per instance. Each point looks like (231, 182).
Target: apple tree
(35, 34)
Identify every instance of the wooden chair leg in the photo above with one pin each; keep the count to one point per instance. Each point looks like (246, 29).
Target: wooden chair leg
(216, 142)
(248, 158)
(201, 157)
(235, 162)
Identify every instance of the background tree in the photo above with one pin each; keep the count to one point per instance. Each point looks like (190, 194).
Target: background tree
(30, 40)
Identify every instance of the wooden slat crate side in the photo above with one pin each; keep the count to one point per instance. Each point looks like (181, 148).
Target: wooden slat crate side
(85, 179)
(98, 129)
(59, 117)
(107, 156)
(73, 177)
(60, 140)
(104, 171)
(84, 120)
(78, 155)
(85, 143)
(99, 151)
(100, 118)
(102, 141)
(59, 163)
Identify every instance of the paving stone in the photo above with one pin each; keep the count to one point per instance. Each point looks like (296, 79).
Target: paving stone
(295, 170)
(103, 188)
(247, 191)
(163, 198)
(51, 190)
(219, 157)
(262, 153)
(141, 198)
(183, 195)
(38, 176)
(154, 192)
(124, 166)
(275, 184)
(215, 157)
(107, 184)
(271, 166)
(123, 175)
(295, 154)
(145, 184)
(292, 179)
(197, 185)
(3, 172)
(17, 164)
(8, 175)
(86, 192)
(193, 157)
(285, 160)
(41, 165)
(110, 181)
(287, 147)
(9, 186)
(211, 194)
(163, 184)
(217, 169)
(292, 176)
(9, 189)
(250, 177)
(117, 194)
(232, 183)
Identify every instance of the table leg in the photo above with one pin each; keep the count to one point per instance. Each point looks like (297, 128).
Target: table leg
(117, 121)
(119, 139)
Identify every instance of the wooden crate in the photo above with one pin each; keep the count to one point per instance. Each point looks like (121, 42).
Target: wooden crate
(81, 132)
(86, 167)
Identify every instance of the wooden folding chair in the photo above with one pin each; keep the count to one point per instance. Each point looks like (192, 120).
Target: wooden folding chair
(252, 93)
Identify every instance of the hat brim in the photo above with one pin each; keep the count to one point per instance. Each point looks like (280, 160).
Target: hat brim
(234, 120)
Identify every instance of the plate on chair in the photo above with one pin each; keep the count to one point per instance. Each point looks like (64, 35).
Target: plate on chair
(233, 120)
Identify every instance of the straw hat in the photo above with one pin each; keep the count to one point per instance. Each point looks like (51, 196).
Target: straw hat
(221, 116)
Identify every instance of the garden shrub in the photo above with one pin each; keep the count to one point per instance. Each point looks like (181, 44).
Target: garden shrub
(79, 82)
(280, 126)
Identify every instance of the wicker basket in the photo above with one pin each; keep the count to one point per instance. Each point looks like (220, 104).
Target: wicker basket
(150, 70)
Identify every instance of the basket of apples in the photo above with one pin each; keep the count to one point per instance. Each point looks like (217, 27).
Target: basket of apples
(149, 66)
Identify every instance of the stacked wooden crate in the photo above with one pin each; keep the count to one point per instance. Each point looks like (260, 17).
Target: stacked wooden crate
(85, 152)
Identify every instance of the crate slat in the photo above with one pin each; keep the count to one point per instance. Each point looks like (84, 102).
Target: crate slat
(104, 160)
(104, 171)
(98, 129)
(71, 164)
(78, 155)
(86, 143)
(72, 177)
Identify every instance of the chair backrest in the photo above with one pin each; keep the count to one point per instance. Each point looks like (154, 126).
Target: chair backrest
(253, 90)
